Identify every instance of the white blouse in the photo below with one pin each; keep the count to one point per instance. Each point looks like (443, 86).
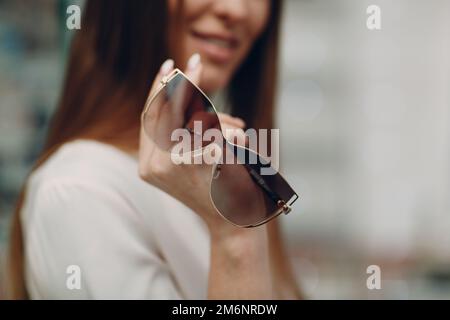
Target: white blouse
(88, 215)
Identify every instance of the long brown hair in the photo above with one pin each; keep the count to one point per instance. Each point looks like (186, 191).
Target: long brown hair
(113, 61)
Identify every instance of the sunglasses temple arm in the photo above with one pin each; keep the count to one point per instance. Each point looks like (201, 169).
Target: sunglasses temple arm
(284, 205)
(260, 181)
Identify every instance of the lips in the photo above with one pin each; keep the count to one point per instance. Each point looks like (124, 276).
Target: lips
(218, 47)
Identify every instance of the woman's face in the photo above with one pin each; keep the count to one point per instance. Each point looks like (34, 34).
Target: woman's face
(222, 32)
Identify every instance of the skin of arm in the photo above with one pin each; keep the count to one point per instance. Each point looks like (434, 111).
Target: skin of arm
(240, 264)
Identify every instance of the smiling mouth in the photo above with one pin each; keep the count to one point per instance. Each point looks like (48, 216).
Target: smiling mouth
(220, 48)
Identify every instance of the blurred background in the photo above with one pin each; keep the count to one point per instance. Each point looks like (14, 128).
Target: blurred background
(365, 136)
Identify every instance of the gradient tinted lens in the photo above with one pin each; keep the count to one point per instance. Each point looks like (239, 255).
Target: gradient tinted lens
(238, 190)
(242, 194)
(178, 106)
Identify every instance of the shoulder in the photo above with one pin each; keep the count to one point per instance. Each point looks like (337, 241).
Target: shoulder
(86, 173)
(89, 186)
(91, 165)
(83, 206)
(87, 204)
(88, 162)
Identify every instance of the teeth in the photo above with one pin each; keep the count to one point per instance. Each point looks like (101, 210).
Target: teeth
(219, 42)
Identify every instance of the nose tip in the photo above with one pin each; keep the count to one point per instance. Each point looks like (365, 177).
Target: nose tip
(232, 10)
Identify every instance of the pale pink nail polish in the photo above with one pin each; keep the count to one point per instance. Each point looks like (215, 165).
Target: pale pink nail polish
(167, 66)
(193, 62)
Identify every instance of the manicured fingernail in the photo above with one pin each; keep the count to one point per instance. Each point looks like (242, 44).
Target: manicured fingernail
(167, 66)
(241, 121)
(194, 61)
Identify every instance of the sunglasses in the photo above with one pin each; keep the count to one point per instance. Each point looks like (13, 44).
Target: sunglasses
(239, 192)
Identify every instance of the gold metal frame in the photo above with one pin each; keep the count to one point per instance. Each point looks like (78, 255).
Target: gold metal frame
(283, 207)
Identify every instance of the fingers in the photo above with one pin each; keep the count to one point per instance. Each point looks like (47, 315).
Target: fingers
(232, 129)
(193, 72)
(235, 135)
(194, 68)
(211, 154)
(226, 119)
(165, 69)
(207, 119)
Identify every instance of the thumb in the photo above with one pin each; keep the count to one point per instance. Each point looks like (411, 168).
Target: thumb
(164, 70)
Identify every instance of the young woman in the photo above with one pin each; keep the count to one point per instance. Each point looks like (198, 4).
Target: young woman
(149, 235)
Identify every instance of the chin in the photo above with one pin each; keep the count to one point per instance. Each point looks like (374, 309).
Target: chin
(214, 79)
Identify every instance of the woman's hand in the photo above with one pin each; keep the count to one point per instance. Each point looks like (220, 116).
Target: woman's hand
(179, 180)
(240, 262)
